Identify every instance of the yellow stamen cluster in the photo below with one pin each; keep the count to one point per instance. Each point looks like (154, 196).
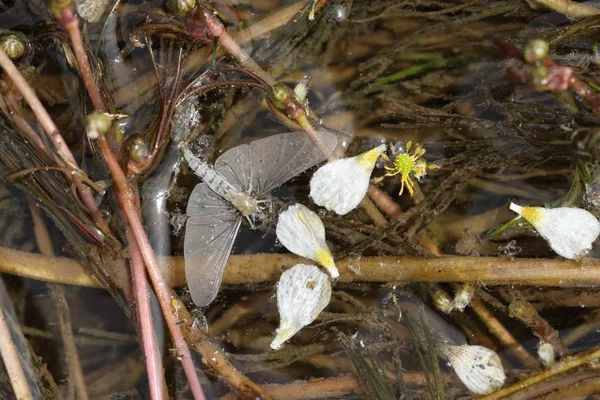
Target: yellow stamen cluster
(407, 163)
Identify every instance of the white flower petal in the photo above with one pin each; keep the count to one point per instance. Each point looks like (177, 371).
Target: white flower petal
(546, 353)
(301, 231)
(569, 231)
(302, 293)
(478, 368)
(340, 185)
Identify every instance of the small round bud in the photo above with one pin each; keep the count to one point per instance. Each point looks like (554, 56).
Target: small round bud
(546, 353)
(301, 89)
(139, 150)
(442, 302)
(280, 91)
(12, 45)
(535, 51)
(463, 296)
(97, 124)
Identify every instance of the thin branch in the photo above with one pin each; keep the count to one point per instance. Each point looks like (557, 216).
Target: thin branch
(559, 368)
(154, 366)
(75, 380)
(265, 268)
(12, 361)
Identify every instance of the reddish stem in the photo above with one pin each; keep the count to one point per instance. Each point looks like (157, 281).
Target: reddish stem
(154, 365)
(126, 198)
(165, 294)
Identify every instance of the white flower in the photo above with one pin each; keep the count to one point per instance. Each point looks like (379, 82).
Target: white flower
(546, 353)
(341, 184)
(479, 368)
(569, 231)
(301, 231)
(302, 293)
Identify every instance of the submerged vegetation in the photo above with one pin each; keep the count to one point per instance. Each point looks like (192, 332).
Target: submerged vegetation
(141, 140)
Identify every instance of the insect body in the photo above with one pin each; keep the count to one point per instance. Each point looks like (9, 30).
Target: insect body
(234, 189)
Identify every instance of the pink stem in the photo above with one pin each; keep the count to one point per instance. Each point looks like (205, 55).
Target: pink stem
(126, 198)
(140, 286)
(166, 297)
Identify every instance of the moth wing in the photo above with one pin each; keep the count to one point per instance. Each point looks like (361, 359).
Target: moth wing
(268, 163)
(209, 236)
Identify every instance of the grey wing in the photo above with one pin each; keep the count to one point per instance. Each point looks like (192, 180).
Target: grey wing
(205, 202)
(270, 162)
(209, 236)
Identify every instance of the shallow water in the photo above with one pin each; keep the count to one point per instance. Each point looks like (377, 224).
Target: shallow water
(433, 73)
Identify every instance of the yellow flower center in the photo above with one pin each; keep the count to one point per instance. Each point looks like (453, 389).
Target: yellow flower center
(367, 159)
(532, 215)
(404, 163)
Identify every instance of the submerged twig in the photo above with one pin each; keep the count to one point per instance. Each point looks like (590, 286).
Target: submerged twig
(559, 368)
(75, 380)
(11, 359)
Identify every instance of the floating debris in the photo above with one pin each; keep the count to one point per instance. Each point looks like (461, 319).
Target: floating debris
(302, 293)
(546, 353)
(569, 231)
(301, 231)
(478, 367)
(340, 185)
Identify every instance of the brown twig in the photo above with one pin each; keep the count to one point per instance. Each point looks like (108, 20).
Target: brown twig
(261, 268)
(567, 7)
(75, 381)
(124, 194)
(557, 369)
(504, 336)
(523, 310)
(12, 362)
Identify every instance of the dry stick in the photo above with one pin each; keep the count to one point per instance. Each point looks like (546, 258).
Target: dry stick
(332, 387)
(54, 135)
(267, 268)
(75, 380)
(559, 368)
(567, 7)
(12, 361)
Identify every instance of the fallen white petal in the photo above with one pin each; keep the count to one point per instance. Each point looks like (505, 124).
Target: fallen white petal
(546, 353)
(301, 231)
(569, 231)
(340, 185)
(478, 367)
(302, 293)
